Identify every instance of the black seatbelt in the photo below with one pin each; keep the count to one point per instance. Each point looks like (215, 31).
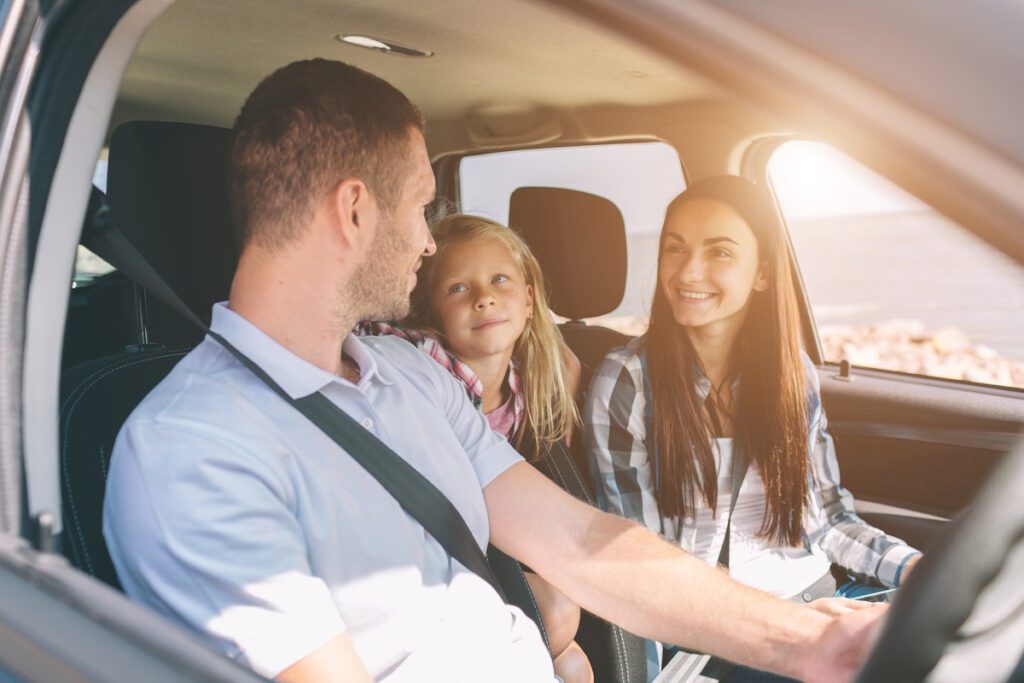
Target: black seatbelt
(739, 471)
(414, 492)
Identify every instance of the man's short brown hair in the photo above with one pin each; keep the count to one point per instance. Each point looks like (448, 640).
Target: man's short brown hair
(304, 128)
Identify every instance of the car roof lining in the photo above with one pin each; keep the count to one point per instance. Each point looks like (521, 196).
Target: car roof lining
(508, 63)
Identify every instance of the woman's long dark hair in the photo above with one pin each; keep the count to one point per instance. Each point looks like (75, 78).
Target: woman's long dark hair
(771, 406)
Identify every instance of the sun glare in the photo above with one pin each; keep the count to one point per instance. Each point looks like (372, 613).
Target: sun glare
(814, 180)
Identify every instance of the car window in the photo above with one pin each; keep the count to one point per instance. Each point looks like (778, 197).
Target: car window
(640, 178)
(89, 266)
(894, 284)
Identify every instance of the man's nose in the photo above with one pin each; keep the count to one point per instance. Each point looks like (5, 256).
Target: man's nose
(430, 248)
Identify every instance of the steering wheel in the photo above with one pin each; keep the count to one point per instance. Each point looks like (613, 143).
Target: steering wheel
(940, 595)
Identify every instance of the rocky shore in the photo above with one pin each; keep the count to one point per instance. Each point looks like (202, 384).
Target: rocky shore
(902, 345)
(906, 345)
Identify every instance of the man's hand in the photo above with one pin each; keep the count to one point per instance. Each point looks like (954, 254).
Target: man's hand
(908, 568)
(843, 646)
(836, 607)
(624, 573)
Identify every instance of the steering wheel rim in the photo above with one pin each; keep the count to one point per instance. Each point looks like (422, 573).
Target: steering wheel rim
(940, 595)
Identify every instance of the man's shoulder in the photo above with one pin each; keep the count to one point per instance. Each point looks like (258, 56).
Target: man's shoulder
(206, 391)
(397, 354)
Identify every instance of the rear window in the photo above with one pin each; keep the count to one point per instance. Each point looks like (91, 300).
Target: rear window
(640, 178)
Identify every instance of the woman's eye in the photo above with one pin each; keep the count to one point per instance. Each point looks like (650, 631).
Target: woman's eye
(498, 279)
(722, 253)
(457, 288)
(673, 249)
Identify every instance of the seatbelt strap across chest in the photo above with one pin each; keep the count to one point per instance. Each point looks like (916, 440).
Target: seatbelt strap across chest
(416, 494)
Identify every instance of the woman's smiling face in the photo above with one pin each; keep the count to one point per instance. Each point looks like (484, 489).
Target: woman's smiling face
(709, 265)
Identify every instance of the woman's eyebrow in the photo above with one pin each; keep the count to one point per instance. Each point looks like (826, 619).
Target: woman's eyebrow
(715, 240)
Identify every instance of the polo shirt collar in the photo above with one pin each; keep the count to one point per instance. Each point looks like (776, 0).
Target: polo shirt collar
(295, 375)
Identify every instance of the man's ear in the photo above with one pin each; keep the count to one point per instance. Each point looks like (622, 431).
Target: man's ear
(761, 282)
(355, 211)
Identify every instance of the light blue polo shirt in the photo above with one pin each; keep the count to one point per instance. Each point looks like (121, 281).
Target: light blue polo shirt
(230, 513)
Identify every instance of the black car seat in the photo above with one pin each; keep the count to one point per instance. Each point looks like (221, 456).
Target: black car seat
(579, 240)
(167, 194)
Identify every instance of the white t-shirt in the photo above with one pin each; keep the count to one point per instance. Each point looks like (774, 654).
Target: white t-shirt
(781, 571)
(230, 513)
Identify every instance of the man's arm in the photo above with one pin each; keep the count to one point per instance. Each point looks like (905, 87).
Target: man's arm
(335, 661)
(626, 574)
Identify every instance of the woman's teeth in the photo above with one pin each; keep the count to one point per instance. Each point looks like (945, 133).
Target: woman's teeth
(693, 295)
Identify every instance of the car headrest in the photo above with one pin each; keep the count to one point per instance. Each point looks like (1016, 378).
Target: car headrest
(580, 241)
(167, 191)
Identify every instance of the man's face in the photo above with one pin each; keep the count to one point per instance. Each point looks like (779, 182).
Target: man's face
(382, 285)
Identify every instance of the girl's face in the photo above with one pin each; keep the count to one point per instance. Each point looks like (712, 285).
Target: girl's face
(480, 298)
(709, 265)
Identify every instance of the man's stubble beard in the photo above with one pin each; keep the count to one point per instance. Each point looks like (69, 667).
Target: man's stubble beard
(377, 291)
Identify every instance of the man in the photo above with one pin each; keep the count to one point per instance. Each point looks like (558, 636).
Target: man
(230, 513)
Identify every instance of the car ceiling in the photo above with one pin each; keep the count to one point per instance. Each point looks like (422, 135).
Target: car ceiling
(498, 62)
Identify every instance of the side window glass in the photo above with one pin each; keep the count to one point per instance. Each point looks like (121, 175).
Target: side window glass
(89, 266)
(639, 178)
(893, 283)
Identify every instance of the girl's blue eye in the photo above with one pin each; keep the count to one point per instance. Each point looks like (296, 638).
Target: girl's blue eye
(457, 288)
(498, 279)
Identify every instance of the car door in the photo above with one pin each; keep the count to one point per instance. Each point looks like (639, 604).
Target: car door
(914, 324)
(56, 624)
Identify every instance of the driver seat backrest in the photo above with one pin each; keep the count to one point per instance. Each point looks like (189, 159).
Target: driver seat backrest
(167, 195)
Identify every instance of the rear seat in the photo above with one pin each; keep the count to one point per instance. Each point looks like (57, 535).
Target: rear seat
(580, 241)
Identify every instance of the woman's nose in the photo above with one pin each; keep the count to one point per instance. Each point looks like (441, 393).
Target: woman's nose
(690, 270)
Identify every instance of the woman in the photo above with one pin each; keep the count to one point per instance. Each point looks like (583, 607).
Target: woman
(718, 394)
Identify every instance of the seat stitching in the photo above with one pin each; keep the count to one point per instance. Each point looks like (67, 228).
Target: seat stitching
(558, 470)
(621, 645)
(579, 480)
(77, 394)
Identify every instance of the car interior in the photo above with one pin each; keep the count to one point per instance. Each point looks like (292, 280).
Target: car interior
(915, 451)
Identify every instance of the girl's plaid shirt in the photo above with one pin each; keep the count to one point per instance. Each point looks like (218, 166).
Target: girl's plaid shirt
(460, 370)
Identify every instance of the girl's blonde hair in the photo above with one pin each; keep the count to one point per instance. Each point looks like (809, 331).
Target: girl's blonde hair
(550, 407)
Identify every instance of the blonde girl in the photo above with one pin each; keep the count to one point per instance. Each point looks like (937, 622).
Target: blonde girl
(480, 309)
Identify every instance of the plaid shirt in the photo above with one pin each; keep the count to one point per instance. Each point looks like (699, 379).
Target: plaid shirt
(446, 359)
(615, 431)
